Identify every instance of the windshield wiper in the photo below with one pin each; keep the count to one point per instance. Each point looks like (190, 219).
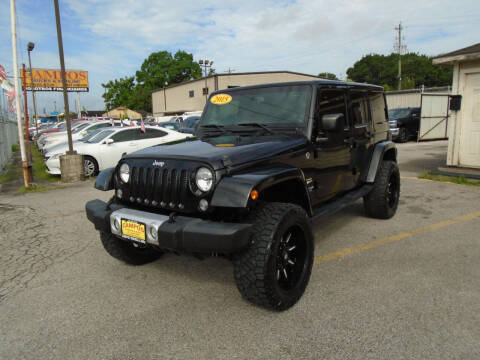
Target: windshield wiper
(213, 126)
(257, 125)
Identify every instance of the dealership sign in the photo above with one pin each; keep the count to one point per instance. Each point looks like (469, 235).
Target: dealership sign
(51, 80)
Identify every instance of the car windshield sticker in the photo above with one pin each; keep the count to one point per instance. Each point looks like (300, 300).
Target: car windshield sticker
(221, 99)
(225, 145)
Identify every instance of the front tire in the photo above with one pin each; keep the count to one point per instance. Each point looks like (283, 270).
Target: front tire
(90, 165)
(275, 270)
(382, 201)
(125, 251)
(402, 135)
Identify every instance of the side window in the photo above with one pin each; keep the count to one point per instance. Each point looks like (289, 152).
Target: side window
(377, 107)
(329, 102)
(125, 135)
(149, 134)
(358, 108)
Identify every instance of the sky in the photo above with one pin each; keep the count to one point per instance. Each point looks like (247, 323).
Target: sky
(111, 39)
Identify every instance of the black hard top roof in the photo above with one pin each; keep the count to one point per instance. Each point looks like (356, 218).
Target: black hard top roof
(321, 83)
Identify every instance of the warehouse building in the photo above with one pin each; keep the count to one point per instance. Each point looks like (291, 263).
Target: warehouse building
(192, 95)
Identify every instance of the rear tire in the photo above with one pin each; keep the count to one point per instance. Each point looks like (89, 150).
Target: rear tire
(125, 251)
(275, 270)
(382, 201)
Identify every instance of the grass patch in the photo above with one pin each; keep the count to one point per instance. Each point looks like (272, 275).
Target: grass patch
(15, 147)
(39, 169)
(462, 180)
(34, 189)
(13, 167)
(7, 176)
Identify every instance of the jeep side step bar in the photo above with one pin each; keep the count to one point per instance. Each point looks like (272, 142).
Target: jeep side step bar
(339, 204)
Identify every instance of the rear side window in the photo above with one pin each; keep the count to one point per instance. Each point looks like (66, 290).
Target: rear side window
(125, 135)
(358, 108)
(149, 134)
(377, 107)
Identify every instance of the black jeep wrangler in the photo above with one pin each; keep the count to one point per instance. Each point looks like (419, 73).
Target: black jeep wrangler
(266, 162)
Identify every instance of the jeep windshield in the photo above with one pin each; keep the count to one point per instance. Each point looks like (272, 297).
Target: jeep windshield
(256, 109)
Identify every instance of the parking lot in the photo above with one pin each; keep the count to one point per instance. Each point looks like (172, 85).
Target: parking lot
(408, 287)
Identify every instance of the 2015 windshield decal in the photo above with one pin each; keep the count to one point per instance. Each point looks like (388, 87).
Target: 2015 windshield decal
(221, 99)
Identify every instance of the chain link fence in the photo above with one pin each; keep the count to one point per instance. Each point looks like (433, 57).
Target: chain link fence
(8, 132)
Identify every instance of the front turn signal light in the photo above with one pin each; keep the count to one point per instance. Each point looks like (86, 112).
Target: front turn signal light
(254, 195)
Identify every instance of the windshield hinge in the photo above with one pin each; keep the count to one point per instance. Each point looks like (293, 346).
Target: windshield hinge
(227, 163)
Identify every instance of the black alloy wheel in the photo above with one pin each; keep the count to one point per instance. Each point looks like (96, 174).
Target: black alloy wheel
(291, 258)
(393, 190)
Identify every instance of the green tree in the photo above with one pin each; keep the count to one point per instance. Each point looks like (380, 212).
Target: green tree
(118, 92)
(383, 70)
(158, 70)
(328, 75)
(162, 69)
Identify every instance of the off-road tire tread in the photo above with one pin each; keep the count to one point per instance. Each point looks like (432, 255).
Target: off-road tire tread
(124, 251)
(375, 203)
(250, 266)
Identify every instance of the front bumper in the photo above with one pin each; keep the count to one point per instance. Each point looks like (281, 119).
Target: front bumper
(183, 234)
(53, 166)
(394, 132)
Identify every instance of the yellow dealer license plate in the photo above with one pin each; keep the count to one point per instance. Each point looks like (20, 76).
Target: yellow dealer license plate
(133, 230)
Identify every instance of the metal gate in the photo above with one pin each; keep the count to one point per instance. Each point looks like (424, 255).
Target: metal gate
(433, 117)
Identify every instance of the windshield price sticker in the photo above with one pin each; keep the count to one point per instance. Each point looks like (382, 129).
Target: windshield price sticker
(221, 99)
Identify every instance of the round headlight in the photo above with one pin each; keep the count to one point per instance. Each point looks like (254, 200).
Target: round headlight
(204, 179)
(124, 173)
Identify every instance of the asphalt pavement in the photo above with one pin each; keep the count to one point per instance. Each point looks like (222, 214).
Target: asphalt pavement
(404, 288)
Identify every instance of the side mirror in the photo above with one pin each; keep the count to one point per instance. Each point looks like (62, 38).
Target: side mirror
(333, 122)
(109, 141)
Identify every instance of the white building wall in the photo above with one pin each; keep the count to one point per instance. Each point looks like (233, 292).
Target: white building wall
(461, 121)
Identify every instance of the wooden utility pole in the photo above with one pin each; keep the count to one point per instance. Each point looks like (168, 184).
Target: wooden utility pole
(64, 77)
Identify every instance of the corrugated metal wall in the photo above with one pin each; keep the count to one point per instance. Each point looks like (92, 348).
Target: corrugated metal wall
(8, 132)
(411, 98)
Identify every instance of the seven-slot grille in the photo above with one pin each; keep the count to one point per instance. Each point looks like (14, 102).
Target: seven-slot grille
(161, 187)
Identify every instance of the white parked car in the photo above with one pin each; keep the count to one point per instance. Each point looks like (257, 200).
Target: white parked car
(105, 149)
(63, 132)
(77, 133)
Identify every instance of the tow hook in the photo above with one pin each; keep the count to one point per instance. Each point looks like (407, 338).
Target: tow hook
(171, 217)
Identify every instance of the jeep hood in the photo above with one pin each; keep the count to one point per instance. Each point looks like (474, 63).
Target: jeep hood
(224, 151)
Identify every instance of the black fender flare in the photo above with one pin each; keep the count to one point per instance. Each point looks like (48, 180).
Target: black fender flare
(104, 180)
(378, 154)
(234, 191)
